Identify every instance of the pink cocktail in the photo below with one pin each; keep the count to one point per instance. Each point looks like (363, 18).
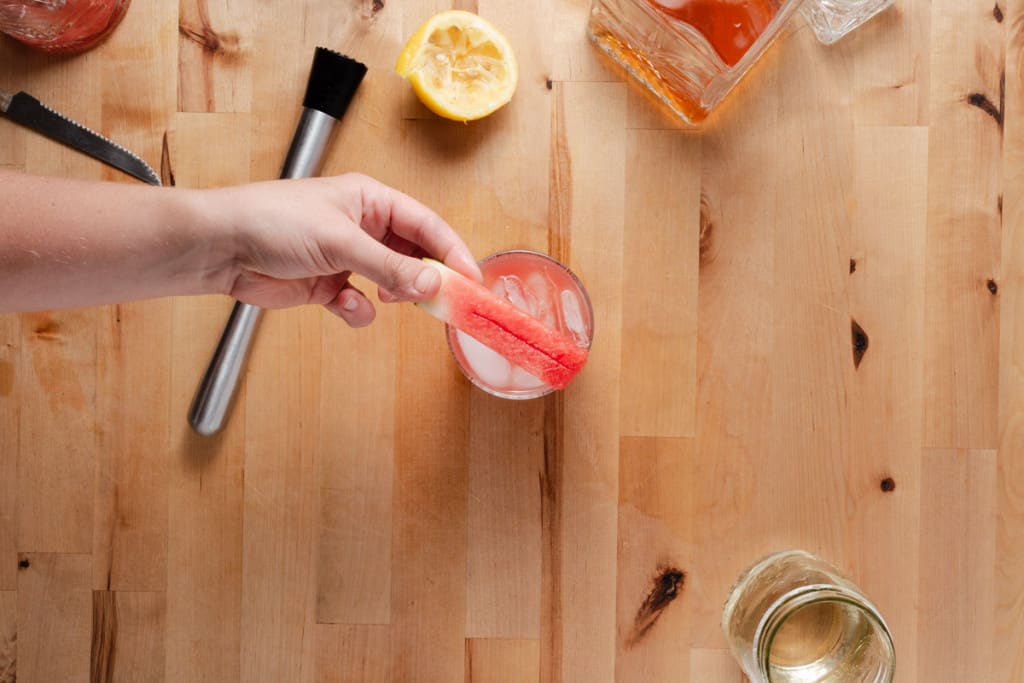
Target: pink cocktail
(545, 289)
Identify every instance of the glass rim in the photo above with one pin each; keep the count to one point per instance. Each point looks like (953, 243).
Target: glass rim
(801, 597)
(546, 389)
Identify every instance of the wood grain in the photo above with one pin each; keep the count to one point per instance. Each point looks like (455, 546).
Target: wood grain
(588, 191)
(12, 142)
(204, 547)
(10, 345)
(506, 447)
(214, 56)
(205, 491)
(503, 587)
(347, 652)
(138, 104)
(56, 467)
(808, 440)
(574, 58)
(966, 139)
(132, 478)
(133, 349)
(280, 497)
(357, 429)
(54, 617)
(135, 632)
(355, 539)
(431, 467)
(500, 660)
(659, 317)
(656, 559)
(960, 489)
(890, 81)
(887, 244)
(715, 666)
(808, 333)
(279, 582)
(735, 346)
(1008, 657)
(8, 636)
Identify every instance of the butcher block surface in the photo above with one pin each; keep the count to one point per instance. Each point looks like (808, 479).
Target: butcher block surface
(809, 333)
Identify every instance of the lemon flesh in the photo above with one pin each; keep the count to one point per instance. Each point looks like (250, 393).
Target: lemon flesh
(459, 66)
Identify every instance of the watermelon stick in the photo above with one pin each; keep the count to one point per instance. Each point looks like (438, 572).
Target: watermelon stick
(499, 325)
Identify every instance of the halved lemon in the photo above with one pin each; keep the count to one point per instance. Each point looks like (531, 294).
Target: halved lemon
(460, 66)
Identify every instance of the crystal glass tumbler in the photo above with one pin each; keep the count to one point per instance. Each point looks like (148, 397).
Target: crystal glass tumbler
(833, 19)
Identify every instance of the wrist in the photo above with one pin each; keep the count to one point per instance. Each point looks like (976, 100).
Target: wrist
(207, 240)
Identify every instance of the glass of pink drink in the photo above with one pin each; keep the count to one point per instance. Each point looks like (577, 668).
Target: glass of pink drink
(545, 289)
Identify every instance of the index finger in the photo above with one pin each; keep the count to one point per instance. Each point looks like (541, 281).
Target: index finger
(386, 209)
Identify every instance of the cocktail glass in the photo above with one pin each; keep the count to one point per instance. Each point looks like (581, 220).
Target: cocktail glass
(544, 288)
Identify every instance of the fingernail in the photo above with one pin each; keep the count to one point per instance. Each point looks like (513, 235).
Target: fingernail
(427, 281)
(350, 304)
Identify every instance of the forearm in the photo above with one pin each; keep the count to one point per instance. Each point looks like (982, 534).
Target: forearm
(279, 243)
(70, 243)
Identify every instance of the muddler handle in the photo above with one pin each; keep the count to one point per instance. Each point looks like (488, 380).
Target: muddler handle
(333, 81)
(217, 389)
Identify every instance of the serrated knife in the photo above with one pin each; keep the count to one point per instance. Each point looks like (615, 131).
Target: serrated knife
(26, 110)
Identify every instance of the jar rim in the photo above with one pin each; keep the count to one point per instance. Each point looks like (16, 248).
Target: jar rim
(791, 602)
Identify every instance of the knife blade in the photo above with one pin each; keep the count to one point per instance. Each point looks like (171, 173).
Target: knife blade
(26, 110)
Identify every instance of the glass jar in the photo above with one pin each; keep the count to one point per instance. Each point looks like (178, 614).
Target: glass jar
(61, 26)
(792, 618)
(691, 53)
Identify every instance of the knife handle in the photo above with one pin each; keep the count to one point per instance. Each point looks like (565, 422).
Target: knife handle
(217, 389)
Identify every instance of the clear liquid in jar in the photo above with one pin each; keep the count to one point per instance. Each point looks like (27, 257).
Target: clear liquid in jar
(822, 643)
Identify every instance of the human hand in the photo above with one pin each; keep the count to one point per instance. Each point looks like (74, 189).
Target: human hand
(297, 242)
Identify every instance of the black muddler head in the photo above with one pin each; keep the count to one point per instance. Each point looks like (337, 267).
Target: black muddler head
(333, 80)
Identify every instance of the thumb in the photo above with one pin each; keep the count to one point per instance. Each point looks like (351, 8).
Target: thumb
(403, 276)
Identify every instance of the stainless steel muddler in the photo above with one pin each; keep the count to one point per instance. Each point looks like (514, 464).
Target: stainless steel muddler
(333, 80)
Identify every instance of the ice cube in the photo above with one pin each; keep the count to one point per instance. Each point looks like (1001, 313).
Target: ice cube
(572, 313)
(544, 290)
(541, 285)
(518, 295)
(522, 380)
(490, 367)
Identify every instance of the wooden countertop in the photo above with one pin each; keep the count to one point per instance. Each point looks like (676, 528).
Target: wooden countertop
(817, 297)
